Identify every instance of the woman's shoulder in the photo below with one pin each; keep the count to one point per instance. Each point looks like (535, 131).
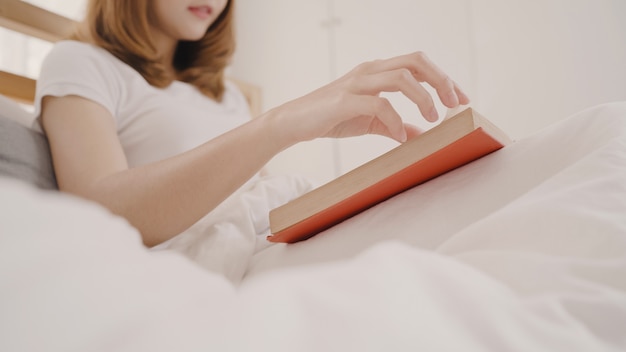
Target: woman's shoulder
(72, 58)
(78, 68)
(71, 55)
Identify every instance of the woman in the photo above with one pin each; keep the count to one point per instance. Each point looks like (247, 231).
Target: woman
(140, 119)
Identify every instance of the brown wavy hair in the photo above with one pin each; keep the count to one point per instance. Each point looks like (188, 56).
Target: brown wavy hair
(122, 28)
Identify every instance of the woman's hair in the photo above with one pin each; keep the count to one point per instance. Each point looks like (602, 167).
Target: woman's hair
(122, 27)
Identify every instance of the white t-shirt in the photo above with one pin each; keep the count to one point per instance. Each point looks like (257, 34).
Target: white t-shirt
(152, 123)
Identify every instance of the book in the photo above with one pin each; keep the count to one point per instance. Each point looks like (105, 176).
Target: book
(456, 141)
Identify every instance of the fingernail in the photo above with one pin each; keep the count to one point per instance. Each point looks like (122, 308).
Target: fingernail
(403, 136)
(454, 99)
(433, 115)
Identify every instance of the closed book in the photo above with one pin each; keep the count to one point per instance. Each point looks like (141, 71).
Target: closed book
(456, 141)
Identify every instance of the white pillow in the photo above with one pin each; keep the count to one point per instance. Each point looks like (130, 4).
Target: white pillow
(24, 150)
(12, 110)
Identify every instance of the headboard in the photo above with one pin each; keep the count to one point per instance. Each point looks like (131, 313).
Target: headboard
(36, 22)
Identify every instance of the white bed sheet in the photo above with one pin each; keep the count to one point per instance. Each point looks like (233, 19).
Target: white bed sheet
(523, 250)
(435, 213)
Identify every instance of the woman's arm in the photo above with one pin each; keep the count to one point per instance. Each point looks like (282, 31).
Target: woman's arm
(165, 198)
(160, 199)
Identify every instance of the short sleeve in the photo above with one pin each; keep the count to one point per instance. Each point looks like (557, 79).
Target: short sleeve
(75, 68)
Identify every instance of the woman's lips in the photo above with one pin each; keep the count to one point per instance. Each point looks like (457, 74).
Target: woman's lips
(202, 12)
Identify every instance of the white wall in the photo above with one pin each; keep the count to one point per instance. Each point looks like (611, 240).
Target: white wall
(540, 61)
(525, 64)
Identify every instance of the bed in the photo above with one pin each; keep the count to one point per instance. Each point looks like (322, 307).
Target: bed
(522, 250)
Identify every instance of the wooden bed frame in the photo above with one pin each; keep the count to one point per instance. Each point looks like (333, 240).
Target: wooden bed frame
(36, 22)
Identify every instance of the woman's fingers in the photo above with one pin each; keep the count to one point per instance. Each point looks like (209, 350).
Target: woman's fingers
(381, 110)
(463, 98)
(399, 80)
(372, 115)
(423, 70)
(352, 105)
(412, 131)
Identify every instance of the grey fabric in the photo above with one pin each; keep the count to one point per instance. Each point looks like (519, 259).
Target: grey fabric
(25, 154)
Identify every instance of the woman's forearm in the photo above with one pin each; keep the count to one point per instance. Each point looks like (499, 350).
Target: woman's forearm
(165, 198)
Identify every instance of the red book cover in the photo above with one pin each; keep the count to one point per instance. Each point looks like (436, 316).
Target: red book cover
(465, 149)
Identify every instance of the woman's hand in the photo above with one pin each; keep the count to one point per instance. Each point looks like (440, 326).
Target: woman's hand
(352, 105)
